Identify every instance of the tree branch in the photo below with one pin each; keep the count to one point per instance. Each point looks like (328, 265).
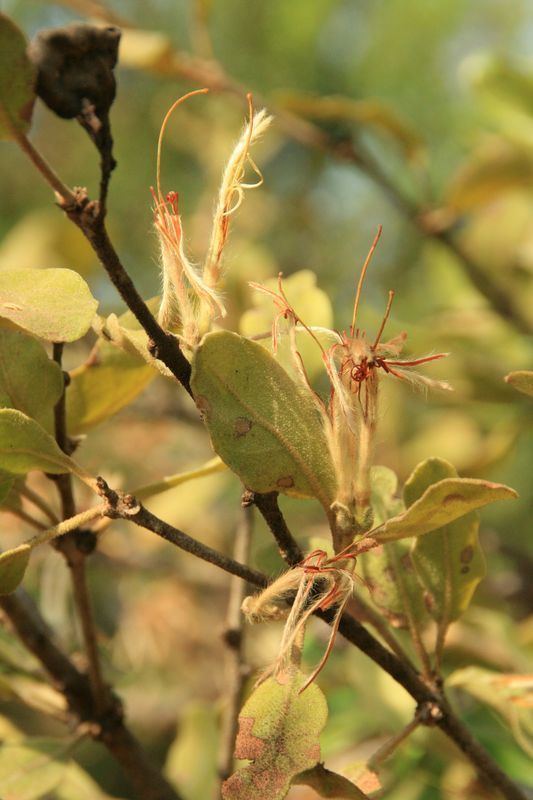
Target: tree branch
(109, 727)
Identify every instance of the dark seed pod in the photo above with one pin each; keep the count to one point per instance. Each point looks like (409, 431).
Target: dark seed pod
(75, 66)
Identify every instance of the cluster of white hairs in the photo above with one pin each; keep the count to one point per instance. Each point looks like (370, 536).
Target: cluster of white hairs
(190, 295)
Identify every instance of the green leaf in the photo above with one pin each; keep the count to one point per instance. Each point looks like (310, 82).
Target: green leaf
(52, 304)
(521, 380)
(329, 784)
(278, 733)
(13, 565)
(510, 695)
(263, 426)
(449, 561)
(109, 381)
(192, 757)
(7, 479)
(442, 503)
(29, 380)
(310, 303)
(384, 485)
(17, 80)
(25, 445)
(31, 768)
(394, 585)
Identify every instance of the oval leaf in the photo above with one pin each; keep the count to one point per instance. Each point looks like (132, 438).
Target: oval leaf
(52, 304)
(29, 380)
(13, 565)
(521, 380)
(449, 561)
(24, 446)
(278, 733)
(17, 81)
(441, 503)
(262, 425)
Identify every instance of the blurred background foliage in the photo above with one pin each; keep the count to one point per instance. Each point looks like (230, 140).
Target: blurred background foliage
(426, 110)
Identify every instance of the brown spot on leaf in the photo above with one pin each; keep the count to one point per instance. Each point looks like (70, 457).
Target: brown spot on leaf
(452, 498)
(467, 554)
(247, 745)
(465, 570)
(203, 406)
(285, 482)
(242, 426)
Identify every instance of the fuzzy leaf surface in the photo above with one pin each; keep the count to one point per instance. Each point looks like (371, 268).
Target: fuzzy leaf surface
(29, 380)
(449, 561)
(278, 733)
(25, 445)
(52, 304)
(13, 565)
(262, 425)
(522, 380)
(329, 784)
(442, 503)
(17, 80)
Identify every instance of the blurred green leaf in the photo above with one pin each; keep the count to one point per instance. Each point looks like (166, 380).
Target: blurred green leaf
(440, 504)
(29, 380)
(311, 304)
(521, 380)
(53, 304)
(449, 561)
(278, 733)
(13, 565)
(31, 768)
(510, 695)
(192, 757)
(25, 446)
(384, 485)
(264, 426)
(366, 113)
(329, 784)
(17, 79)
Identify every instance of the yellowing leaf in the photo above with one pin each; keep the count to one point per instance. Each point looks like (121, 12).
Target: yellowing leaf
(25, 446)
(510, 695)
(521, 380)
(13, 565)
(262, 425)
(29, 380)
(52, 304)
(449, 561)
(440, 504)
(311, 304)
(17, 79)
(278, 733)
(31, 768)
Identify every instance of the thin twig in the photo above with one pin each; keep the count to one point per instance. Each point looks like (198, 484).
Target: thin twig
(388, 748)
(109, 728)
(75, 556)
(267, 503)
(233, 638)
(39, 502)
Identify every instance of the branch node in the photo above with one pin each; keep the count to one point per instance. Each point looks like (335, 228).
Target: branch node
(429, 713)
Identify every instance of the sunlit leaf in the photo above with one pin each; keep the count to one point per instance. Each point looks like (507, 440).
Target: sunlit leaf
(17, 80)
(311, 304)
(264, 426)
(29, 380)
(53, 304)
(509, 694)
(442, 503)
(449, 561)
(31, 768)
(25, 445)
(329, 784)
(13, 565)
(278, 733)
(109, 381)
(521, 380)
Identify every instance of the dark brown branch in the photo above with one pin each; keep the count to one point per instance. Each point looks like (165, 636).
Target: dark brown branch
(267, 504)
(109, 727)
(425, 696)
(236, 670)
